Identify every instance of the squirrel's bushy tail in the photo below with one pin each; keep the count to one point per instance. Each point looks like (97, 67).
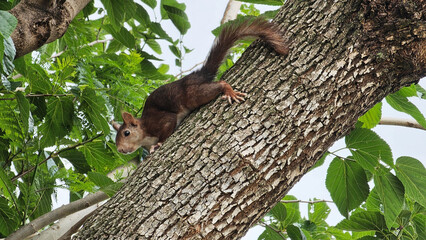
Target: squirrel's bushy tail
(233, 32)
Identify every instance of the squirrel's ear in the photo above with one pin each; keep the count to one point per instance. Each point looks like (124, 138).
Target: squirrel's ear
(128, 118)
(115, 125)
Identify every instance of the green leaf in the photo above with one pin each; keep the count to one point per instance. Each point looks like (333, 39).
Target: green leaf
(175, 50)
(409, 91)
(178, 17)
(402, 104)
(292, 210)
(347, 183)
(122, 35)
(157, 29)
(141, 15)
(8, 23)
(363, 221)
(151, 3)
(154, 45)
(100, 179)
(420, 225)
(270, 234)
(105, 183)
(371, 118)
(110, 190)
(368, 148)
(391, 193)
(24, 110)
(265, 2)
(93, 107)
(412, 174)
(98, 156)
(8, 219)
(279, 212)
(115, 11)
(41, 108)
(58, 121)
(318, 212)
(43, 201)
(39, 79)
(6, 186)
(421, 91)
(295, 233)
(9, 123)
(373, 202)
(77, 159)
(1, 53)
(9, 54)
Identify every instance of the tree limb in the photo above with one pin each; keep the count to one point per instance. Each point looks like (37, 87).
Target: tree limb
(401, 122)
(231, 11)
(41, 22)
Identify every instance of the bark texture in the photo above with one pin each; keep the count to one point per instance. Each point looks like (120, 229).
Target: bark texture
(227, 165)
(42, 21)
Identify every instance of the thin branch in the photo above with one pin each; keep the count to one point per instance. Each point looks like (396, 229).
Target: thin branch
(401, 122)
(344, 158)
(89, 44)
(304, 201)
(55, 154)
(38, 95)
(263, 224)
(189, 70)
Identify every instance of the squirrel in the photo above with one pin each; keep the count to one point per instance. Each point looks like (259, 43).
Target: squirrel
(168, 105)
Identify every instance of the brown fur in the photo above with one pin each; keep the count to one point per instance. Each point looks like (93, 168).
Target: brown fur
(166, 107)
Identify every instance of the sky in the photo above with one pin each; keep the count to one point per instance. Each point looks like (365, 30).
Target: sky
(204, 16)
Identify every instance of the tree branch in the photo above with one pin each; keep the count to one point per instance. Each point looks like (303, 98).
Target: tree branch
(38, 95)
(304, 201)
(401, 122)
(42, 21)
(231, 11)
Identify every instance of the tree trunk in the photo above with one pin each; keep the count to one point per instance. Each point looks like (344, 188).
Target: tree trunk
(227, 165)
(42, 21)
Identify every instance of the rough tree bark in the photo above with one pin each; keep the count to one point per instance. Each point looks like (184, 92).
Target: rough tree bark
(227, 165)
(42, 21)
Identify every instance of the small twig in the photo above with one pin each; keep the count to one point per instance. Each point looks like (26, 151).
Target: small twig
(189, 70)
(263, 224)
(39, 95)
(52, 155)
(304, 201)
(344, 158)
(89, 44)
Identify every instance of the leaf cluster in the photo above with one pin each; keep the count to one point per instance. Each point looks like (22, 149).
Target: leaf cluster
(394, 207)
(55, 104)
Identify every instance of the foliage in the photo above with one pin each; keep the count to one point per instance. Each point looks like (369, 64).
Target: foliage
(393, 209)
(56, 102)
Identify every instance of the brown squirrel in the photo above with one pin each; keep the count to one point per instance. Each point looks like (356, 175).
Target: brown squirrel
(167, 106)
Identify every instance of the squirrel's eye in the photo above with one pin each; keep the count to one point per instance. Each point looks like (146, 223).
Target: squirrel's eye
(126, 133)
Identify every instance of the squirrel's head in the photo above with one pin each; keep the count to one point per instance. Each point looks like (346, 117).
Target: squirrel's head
(130, 134)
